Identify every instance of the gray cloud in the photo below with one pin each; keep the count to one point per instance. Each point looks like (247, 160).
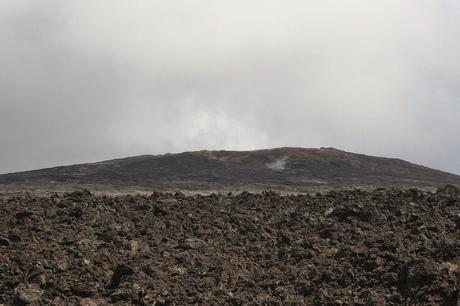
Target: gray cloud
(87, 81)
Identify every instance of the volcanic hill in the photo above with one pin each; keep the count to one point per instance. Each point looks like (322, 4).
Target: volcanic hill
(281, 169)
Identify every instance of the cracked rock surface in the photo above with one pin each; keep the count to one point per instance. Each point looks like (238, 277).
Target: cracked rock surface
(382, 247)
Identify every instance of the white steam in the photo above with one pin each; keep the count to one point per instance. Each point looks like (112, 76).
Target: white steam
(278, 165)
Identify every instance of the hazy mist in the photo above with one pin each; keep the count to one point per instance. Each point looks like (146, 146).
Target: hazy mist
(84, 81)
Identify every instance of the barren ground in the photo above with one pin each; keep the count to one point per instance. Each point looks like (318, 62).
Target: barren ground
(383, 247)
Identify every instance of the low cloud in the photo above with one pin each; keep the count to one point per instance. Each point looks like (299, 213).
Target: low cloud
(104, 79)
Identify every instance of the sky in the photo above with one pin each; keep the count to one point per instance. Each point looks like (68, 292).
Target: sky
(84, 81)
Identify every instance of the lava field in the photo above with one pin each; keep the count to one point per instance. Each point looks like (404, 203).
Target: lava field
(382, 247)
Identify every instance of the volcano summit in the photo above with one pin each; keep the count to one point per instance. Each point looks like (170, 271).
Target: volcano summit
(280, 169)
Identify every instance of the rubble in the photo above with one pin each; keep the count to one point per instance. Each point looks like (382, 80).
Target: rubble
(382, 247)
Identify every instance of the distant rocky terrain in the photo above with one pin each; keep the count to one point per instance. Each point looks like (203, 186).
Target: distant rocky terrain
(382, 247)
(339, 229)
(281, 169)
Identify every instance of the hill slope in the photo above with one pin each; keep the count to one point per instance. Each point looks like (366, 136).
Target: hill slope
(288, 169)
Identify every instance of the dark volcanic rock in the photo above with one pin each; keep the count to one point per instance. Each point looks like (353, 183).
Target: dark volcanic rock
(120, 271)
(4, 241)
(283, 169)
(28, 294)
(383, 247)
(192, 243)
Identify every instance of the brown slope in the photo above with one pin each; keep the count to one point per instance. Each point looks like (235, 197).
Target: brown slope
(293, 169)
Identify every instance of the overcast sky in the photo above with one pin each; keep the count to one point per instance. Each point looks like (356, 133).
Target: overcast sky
(84, 81)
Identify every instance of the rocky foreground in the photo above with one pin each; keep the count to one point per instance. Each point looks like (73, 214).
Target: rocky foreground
(385, 247)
